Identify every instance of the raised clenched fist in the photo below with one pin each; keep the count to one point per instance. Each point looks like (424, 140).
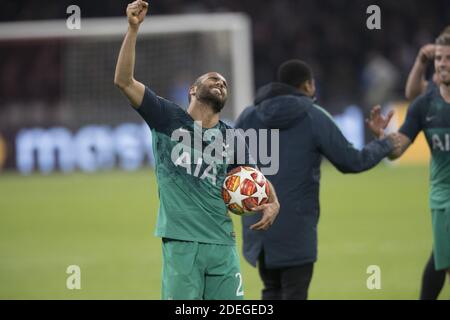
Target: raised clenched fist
(136, 12)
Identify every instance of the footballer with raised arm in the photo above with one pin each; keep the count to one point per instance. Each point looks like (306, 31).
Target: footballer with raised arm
(417, 83)
(200, 259)
(430, 113)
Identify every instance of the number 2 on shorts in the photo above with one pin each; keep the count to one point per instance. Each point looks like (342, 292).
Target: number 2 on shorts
(239, 291)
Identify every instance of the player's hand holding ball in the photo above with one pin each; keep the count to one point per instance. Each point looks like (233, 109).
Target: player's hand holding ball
(136, 12)
(269, 212)
(246, 191)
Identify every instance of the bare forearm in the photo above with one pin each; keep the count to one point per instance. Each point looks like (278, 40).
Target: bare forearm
(400, 146)
(398, 152)
(273, 195)
(416, 83)
(124, 75)
(395, 154)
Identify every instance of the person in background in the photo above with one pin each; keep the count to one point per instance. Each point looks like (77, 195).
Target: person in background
(432, 280)
(286, 253)
(430, 113)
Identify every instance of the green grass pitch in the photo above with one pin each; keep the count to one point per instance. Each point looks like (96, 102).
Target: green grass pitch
(104, 223)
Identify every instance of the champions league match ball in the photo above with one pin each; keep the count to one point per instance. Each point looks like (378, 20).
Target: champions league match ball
(243, 189)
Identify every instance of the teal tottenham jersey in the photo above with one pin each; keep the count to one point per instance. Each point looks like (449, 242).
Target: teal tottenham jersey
(431, 113)
(191, 205)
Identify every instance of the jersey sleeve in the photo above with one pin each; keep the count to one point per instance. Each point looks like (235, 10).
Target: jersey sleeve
(156, 111)
(413, 122)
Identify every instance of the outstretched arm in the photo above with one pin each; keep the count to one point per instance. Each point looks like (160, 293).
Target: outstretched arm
(342, 154)
(417, 84)
(124, 75)
(402, 145)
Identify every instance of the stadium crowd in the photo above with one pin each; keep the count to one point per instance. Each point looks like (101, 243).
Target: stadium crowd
(352, 64)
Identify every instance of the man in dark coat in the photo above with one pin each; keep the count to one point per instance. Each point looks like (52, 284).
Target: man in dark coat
(286, 253)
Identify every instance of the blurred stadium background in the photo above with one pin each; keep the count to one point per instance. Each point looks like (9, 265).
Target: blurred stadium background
(76, 179)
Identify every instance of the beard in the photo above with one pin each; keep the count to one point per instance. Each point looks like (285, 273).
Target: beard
(205, 95)
(445, 80)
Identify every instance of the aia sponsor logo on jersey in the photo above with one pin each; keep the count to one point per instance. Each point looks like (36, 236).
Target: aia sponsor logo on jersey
(440, 142)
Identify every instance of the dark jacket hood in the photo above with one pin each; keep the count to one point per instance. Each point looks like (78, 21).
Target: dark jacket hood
(279, 105)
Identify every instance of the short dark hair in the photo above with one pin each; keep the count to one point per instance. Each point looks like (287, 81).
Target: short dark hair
(443, 39)
(294, 73)
(196, 84)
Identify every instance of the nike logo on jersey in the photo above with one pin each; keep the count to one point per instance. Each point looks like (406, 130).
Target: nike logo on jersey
(429, 119)
(441, 144)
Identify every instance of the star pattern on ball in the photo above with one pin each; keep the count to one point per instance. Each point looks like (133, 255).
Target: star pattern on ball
(260, 192)
(246, 174)
(236, 197)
